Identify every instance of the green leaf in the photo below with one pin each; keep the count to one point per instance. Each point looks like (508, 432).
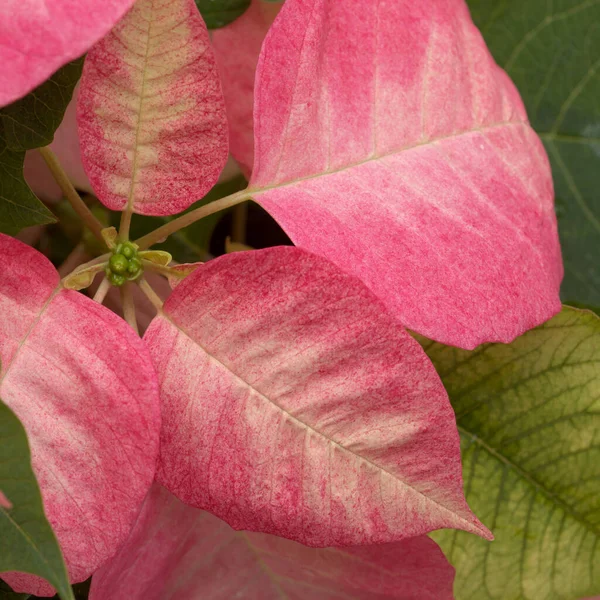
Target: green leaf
(551, 49)
(529, 420)
(27, 542)
(19, 206)
(31, 121)
(218, 13)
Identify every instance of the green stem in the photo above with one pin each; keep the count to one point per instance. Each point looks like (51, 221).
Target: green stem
(70, 192)
(95, 261)
(240, 221)
(129, 306)
(125, 224)
(184, 220)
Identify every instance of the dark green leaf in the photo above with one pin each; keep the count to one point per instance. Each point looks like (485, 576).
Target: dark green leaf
(528, 414)
(19, 207)
(551, 49)
(218, 13)
(31, 121)
(27, 542)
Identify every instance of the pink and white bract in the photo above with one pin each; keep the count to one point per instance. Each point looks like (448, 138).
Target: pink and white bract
(40, 36)
(82, 384)
(277, 389)
(294, 405)
(177, 551)
(388, 141)
(151, 114)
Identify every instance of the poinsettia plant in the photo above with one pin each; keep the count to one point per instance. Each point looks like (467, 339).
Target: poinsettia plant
(280, 428)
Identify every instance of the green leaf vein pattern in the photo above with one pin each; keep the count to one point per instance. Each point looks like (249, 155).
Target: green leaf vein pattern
(529, 421)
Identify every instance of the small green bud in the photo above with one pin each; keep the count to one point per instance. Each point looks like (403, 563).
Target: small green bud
(118, 263)
(116, 279)
(135, 264)
(128, 250)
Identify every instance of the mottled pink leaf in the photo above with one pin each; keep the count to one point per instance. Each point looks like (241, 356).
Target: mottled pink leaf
(83, 385)
(37, 37)
(237, 47)
(177, 551)
(151, 113)
(387, 140)
(293, 404)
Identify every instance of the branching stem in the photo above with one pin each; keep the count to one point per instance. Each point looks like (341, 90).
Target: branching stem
(184, 220)
(70, 192)
(240, 221)
(125, 224)
(95, 261)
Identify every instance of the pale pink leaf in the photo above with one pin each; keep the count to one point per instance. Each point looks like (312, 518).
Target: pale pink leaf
(237, 47)
(177, 551)
(151, 114)
(387, 140)
(37, 37)
(293, 404)
(83, 385)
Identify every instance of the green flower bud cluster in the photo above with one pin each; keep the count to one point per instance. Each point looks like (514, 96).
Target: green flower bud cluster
(124, 265)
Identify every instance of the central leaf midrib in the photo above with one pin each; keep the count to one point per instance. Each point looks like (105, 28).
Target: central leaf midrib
(573, 513)
(259, 190)
(471, 526)
(138, 127)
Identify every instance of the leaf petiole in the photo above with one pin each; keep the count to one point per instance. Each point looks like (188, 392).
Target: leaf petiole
(195, 215)
(70, 192)
(128, 306)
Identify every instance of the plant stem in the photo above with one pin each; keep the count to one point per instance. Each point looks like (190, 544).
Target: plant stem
(129, 306)
(70, 192)
(240, 220)
(184, 220)
(125, 224)
(91, 263)
(151, 294)
(102, 291)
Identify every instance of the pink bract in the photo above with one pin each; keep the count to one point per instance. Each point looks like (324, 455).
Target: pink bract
(83, 385)
(151, 113)
(237, 48)
(177, 551)
(39, 36)
(293, 404)
(388, 141)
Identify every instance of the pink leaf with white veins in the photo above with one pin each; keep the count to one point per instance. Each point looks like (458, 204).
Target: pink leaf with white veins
(40, 36)
(151, 114)
(83, 385)
(399, 150)
(293, 404)
(237, 48)
(176, 551)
